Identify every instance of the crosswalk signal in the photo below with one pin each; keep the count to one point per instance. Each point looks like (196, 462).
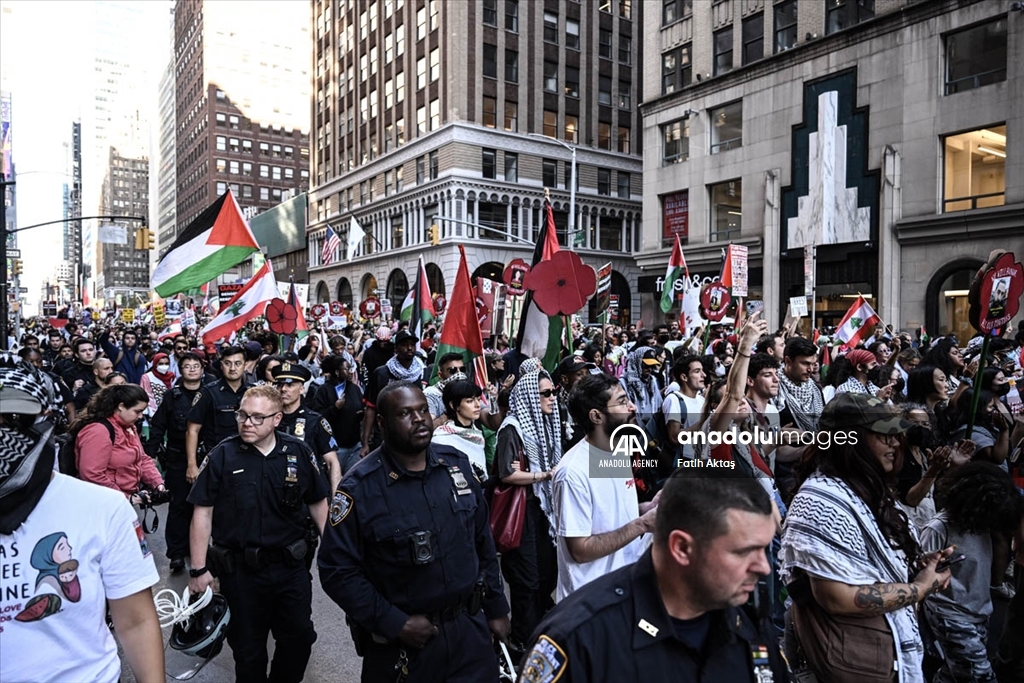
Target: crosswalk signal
(435, 234)
(16, 268)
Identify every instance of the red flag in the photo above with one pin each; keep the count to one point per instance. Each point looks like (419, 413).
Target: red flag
(301, 326)
(461, 331)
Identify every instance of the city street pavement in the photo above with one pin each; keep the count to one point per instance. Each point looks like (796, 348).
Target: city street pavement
(333, 660)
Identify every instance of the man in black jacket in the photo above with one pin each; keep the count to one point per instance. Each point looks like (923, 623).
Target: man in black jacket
(340, 402)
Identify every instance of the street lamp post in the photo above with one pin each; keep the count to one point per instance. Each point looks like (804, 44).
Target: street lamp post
(572, 180)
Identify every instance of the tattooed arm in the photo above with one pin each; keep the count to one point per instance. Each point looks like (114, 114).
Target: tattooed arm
(836, 597)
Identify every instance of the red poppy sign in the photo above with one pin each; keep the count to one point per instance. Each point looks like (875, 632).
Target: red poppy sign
(337, 308)
(317, 311)
(370, 308)
(562, 285)
(714, 301)
(995, 294)
(281, 316)
(515, 275)
(440, 303)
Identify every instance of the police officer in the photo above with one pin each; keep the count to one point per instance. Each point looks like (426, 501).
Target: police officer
(679, 610)
(250, 496)
(168, 424)
(408, 555)
(290, 379)
(212, 418)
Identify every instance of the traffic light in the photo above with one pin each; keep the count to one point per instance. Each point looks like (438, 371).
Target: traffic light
(435, 234)
(16, 268)
(143, 238)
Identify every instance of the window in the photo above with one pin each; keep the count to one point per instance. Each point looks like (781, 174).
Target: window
(753, 38)
(398, 179)
(572, 81)
(785, 25)
(492, 219)
(388, 181)
(726, 210)
(551, 28)
(840, 14)
(490, 12)
(434, 16)
(625, 101)
(234, 168)
(222, 166)
(511, 167)
(604, 90)
(976, 56)
(512, 66)
(676, 70)
(275, 173)
(625, 8)
(490, 61)
(512, 16)
(727, 127)
(233, 144)
(233, 122)
(421, 169)
(421, 120)
(247, 191)
(511, 116)
(605, 44)
(676, 136)
(604, 135)
(246, 168)
(265, 193)
(572, 34)
(221, 188)
(490, 112)
(624, 140)
(421, 73)
(397, 232)
(623, 185)
(289, 173)
(264, 171)
(974, 169)
(264, 149)
(222, 144)
(723, 51)
(435, 114)
(246, 146)
(549, 169)
(489, 163)
(675, 9)
(551, 123)
(625, 49)
(572, 126)
(604, 181)
(421, 23)
(433, 165)
(435, 64)
(221, 96)
(551, 76)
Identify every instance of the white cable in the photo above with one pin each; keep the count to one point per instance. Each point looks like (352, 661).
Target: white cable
(175, 609)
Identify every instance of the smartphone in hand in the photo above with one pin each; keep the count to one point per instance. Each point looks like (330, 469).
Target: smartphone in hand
(945, 564)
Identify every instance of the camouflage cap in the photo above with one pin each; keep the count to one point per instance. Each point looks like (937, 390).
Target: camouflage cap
(847, 411)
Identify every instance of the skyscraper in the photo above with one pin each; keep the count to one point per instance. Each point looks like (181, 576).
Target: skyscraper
(123, 270)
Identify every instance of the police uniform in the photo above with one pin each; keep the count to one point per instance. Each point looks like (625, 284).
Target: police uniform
(616, 628)
(401, 543)
(214, 408)
(170, 421)
(259, 547)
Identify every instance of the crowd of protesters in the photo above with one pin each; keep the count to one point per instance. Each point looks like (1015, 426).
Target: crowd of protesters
(874, 466)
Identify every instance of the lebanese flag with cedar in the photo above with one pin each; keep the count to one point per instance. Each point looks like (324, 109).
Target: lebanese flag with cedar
(858, 322)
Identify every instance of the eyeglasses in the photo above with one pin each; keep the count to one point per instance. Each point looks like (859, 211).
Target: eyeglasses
(242, 417)
(180, 348)
(452, 371)
(547, 393)
(623, 401)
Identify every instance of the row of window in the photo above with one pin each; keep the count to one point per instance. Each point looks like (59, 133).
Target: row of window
(246, 191)
(226, 144)
(726, 133)
(549, 173)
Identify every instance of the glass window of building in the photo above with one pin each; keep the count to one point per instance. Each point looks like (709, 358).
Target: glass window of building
(264, 171)
(492, 220)
(221, 188)
(488, 161)
(276, 173)
(397, 232)
(421, 120)
(610, 234)
(676, 70)
(723, 51)
(727, 127)
(604, 135)
(551, 76)
(625, 101)
(512, 66)
(550, 27)
(605, 44)
(625, 49)
(623, 179)
(421, 23)
(604, 90)
(398, 179)
(421, 73)
(625, 8)
(490, 61)
(289, 173)
(976, 56)
(222, 143)
(511, 116)
(974, 169)
(604, 181)
(572, 34)
(512, 15)
(551, 123)
(572, 81)
(265, 193)
(511, 167)
(676, 145)
(435, 114)
(490, 112)
(840, 14)
(726, 210)
(625, 140)
(549, 170)
(234, 167)
(671, 10)
(433, 165)
(753, 38)
(490, 12)
(421, 170)
(435, 64)
(572, 126)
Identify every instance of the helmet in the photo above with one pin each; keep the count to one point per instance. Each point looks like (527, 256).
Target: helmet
(203, 634)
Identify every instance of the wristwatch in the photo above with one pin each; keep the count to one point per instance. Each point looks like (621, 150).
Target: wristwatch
(196, 573)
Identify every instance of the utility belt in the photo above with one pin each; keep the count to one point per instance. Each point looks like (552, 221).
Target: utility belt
(225, 562)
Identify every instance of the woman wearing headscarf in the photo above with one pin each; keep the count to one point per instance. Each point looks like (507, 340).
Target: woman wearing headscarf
(462, 408)
(641, 384)
(158, 380)
(529, 447)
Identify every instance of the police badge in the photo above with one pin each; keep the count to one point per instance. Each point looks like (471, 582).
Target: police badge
(459, 480)
(300, 427)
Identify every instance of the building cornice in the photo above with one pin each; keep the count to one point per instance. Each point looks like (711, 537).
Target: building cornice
(701, 256)
(957, 226)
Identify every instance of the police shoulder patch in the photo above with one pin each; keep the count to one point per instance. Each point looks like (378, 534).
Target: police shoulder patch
(341, 505)
(545, 663)
(326, 426)
(203, 464)
(197, 397)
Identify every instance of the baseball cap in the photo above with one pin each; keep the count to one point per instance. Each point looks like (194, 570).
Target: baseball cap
(848, 410)
(291, 371)
(403, 336)
(571, 364)
(650, 357)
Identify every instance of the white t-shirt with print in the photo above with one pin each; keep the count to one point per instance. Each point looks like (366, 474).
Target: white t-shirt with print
(678, 407)
(81, 546)
(588, 506)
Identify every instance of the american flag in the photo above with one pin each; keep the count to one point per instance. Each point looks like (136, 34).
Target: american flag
(331, 245)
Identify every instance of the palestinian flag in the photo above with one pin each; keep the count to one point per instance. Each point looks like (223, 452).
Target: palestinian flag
(461, 331)
(418, 307)
(246, 304)
(540, 335)
(675, 272)
(217, 239)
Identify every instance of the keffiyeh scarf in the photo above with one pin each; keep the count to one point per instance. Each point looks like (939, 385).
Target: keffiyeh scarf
(830, 533)
(644, 394)
(413, 373)
(804, 401)
(539, 433)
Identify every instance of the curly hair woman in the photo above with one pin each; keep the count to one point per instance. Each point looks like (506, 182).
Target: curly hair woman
(108, 450)
(849, 557)
(977, 500)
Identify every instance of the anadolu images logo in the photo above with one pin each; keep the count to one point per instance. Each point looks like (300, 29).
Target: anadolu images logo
(630, 441)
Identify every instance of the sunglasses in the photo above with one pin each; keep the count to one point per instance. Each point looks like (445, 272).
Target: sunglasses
(452, 371)
(547, 393)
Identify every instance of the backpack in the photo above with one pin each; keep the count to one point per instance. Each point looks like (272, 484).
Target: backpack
(66, 448)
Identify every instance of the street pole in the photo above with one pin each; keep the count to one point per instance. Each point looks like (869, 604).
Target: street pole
(3, 264)
(572, 198)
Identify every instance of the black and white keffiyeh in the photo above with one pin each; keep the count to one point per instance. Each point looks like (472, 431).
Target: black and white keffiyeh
(830, 533)
(540, 433)
(804, 401)
(413, 373)
(644, 393)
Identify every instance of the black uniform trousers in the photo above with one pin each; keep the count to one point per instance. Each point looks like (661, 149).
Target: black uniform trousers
(179, 510)
(277, 599)
(461, 652)
(531, 571)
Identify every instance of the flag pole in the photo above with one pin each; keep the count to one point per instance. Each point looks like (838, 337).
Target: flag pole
(814, 288)
(976, 390)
